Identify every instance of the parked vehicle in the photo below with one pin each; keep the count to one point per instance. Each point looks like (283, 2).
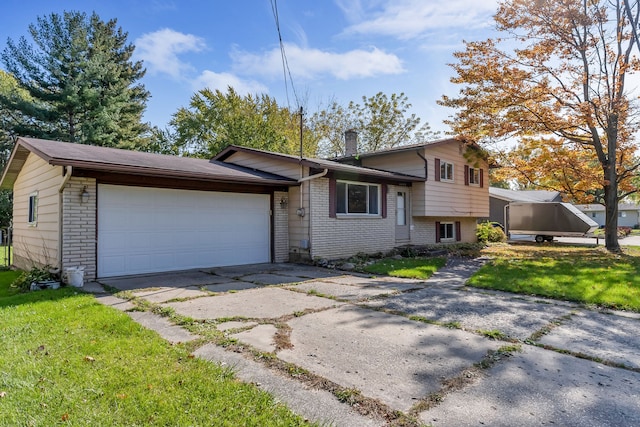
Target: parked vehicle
(546, 220)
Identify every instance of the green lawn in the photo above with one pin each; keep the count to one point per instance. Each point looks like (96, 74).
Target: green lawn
(66, 359)
(581, 274)
(414, 268)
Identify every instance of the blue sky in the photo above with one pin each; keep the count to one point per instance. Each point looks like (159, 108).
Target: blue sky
(337, 49)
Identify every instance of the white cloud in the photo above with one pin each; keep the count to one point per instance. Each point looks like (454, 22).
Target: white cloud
(313, 63)
(406, 19)
(222, 81)
(159, 51)
(352, 9)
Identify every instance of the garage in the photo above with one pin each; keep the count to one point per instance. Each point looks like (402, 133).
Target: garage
(146, 230)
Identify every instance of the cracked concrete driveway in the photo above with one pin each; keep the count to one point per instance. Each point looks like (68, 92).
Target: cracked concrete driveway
(404, 350)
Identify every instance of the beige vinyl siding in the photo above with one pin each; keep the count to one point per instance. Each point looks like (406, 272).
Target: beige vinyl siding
(418, 198)
(264, 163)
(438, 198)
(37, 244)
(454, 199)
(407, 162)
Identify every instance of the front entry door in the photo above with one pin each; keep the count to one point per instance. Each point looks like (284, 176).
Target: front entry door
(402, 216)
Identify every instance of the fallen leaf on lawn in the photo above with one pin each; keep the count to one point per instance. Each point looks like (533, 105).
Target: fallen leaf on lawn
(121, 396)
(44, 405)
(191, 356)
(3, 393)
(89, 359)
(65, 417)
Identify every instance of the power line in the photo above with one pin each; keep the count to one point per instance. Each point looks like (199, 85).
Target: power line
(285, 63)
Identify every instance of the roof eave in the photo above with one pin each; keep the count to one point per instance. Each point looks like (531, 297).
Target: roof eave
(337, 166)
(163, 173)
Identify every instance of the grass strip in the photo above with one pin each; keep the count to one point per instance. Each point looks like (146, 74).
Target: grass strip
(580, 274)
(68, 359)
(411, 268)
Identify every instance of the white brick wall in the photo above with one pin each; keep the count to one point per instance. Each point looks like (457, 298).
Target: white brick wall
(342, 237)
(79, 227)
(280, 227)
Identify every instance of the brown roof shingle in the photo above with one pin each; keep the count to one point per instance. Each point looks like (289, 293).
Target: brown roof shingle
(132, 162)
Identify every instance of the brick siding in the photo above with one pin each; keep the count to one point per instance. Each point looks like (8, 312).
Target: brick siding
(343, 237)
(79, 227)
(280, 227)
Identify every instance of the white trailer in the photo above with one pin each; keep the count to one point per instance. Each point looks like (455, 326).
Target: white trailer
(546, 220)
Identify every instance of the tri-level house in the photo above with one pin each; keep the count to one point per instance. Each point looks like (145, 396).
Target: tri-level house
(118, 212)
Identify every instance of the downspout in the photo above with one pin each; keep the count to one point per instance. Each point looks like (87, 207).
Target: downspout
(65, 180)
(318, 175)
(309, 178)
(426, 165)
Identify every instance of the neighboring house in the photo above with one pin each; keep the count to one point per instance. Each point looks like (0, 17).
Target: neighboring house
(500, 197)
(118, 212)
(628, 214)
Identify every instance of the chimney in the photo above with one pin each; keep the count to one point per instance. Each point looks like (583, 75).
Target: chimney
(350, 143)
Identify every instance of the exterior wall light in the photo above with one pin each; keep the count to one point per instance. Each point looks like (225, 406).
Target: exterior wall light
(84, 196)
(284, 203)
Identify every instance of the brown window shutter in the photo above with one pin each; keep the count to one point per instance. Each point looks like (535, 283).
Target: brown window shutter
(481, 178)
(437, 231)
(466, 174)
(436, 172)
(458, 231)
(332, 198)
(383, 191)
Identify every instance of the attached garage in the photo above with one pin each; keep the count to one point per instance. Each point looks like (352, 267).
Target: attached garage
(118, 212)
(145, 230)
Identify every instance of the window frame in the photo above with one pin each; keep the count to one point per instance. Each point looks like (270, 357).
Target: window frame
(474, 176)
(345, 204)
(451, 238)
(32, 209)
(443, 166)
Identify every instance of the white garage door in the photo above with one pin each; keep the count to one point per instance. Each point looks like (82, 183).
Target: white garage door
(145, 230)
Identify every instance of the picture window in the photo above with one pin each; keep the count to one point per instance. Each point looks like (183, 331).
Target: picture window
(357, 198)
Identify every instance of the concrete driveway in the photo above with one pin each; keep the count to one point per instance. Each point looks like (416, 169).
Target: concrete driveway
(425, 350)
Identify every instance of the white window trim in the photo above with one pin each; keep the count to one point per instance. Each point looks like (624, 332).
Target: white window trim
(453, 232)
(471, 177)
(443, 163)
(356, 214)
(32, 209)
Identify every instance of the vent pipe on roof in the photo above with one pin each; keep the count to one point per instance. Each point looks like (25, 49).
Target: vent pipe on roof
(350, 143)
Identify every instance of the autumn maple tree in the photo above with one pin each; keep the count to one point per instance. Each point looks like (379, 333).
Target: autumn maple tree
(556, 82)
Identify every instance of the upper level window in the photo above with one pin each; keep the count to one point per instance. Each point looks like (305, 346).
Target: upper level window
(357, 198)
(33, 208)
(474, 176)
(446, 171)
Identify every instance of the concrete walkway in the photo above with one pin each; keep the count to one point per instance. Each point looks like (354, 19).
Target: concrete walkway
(405, 345)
